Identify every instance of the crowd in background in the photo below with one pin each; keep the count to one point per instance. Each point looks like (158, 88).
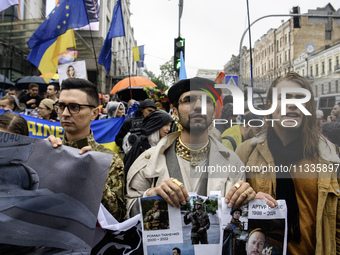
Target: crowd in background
(149, 122)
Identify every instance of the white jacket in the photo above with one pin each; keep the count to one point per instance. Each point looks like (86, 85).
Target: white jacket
(151, 164)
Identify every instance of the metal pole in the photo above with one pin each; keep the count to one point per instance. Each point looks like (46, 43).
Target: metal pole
(250, 51)
(180, 11)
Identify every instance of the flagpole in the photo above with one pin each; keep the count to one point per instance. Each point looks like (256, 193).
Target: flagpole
(128, 61)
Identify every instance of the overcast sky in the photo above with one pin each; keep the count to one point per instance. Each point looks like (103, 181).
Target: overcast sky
(212, 29)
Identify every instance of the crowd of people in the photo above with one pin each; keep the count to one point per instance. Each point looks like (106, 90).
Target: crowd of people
(156, 160)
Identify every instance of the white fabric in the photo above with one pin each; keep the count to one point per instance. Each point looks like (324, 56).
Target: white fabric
(4, 4)
(154, 138)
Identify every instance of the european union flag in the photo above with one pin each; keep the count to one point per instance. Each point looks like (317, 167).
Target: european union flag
(55, 35)
(116, 30)
(66, 15)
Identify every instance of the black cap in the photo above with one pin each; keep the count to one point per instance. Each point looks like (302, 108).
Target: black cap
(196, 83)
(147, 103)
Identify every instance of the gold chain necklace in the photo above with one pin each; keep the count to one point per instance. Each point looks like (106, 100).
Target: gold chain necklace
(192, 155)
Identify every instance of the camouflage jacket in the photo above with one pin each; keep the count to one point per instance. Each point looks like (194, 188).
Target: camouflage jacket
(198, 220)
(113, 195)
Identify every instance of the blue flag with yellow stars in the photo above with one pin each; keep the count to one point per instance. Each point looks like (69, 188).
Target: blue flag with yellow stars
(55, 35)
(66, 15)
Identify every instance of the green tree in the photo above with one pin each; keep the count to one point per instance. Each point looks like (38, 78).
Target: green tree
(166, 78)
(168, 75)
(157, 80)
(212, 205)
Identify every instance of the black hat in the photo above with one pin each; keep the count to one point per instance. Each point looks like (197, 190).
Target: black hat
(234, 210)
(196, 83)
(147, 103)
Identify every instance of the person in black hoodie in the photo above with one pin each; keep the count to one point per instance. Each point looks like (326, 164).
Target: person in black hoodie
(154, 127)
(133, 124)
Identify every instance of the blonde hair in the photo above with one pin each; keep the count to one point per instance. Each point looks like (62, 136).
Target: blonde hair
(309, 132)
(68, 71)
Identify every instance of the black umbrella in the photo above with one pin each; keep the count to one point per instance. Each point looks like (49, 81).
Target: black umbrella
(137, 93)
(25, 81)
(5, 83)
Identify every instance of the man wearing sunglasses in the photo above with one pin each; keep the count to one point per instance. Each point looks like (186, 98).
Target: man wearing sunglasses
(179, 163)
(77, 108)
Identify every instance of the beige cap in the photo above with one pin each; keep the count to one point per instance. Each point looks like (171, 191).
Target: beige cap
(48, 103)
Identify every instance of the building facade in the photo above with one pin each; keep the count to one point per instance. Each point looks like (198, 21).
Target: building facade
(274, 53)
(18, 23)
(322, 69)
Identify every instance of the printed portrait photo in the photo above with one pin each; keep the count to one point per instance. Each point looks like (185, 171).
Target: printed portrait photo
(75, 69)
(155, 214)
(236, 230)
(200, 222)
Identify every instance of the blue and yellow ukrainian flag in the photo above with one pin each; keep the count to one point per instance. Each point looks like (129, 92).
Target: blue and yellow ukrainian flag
(104, 131)
(138, 55)
(55, 35)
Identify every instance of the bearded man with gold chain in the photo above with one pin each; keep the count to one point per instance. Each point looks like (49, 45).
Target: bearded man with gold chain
(189, 160)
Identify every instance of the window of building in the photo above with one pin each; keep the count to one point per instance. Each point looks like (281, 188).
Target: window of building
(316, 91)
(119, 52)
(330, 65)
(328, 35)
(323, 67)
(277, 45)
(337, 61)
(286, 58)
(311, 71)
(303, 72)
(317, 70)
(336, 86)
(280, 42)
(322, 90)
(280, 59)
(286, 38)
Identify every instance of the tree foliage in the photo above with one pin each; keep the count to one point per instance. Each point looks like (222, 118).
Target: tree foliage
(157, 80)
(166, 78)
(168, 75)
